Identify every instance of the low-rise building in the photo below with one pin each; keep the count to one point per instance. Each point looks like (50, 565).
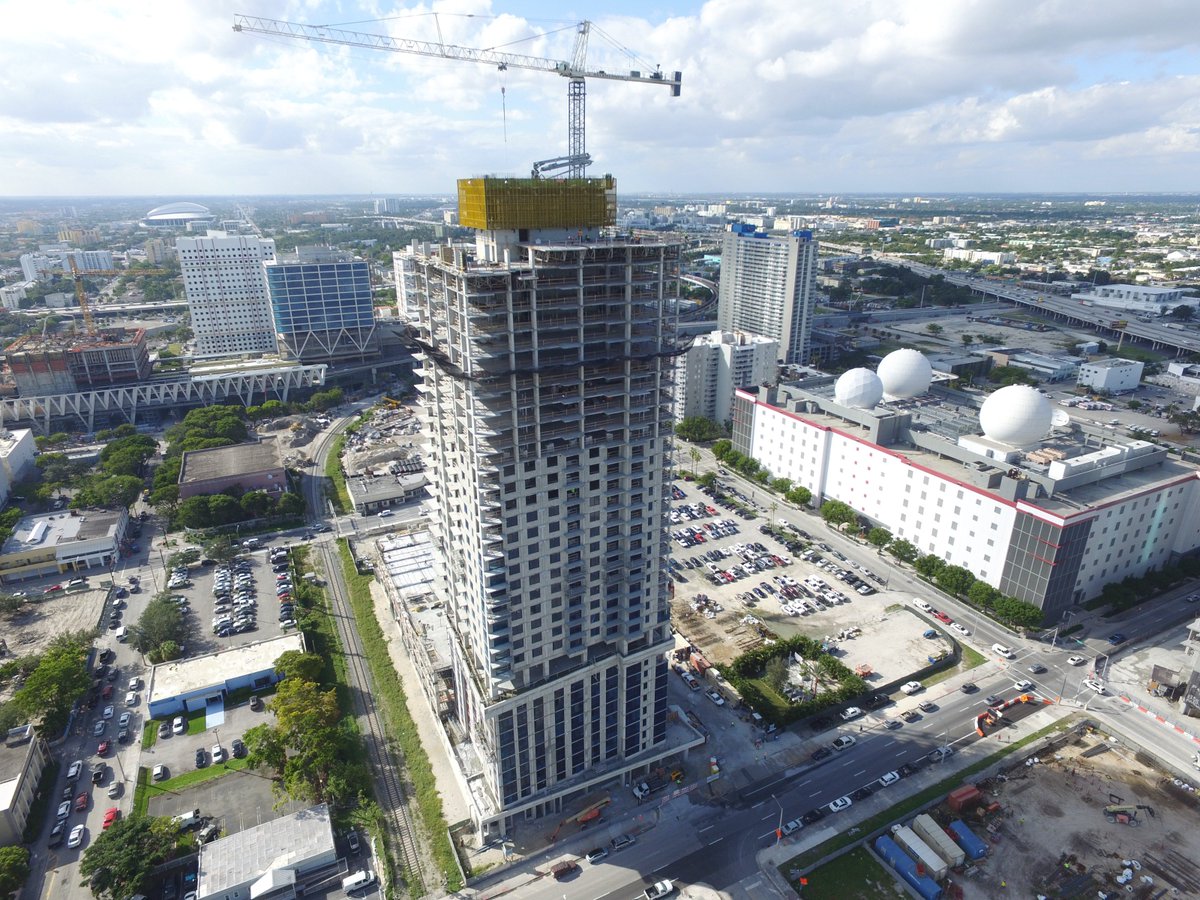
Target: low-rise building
(374, 494)
(272, 859)
(1113, 375)
(17, 450)
(57, 542)
(187, 684)
(22, 759)
(256, 466)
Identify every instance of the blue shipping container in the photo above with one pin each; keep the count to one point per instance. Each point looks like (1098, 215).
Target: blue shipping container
(906, 868)
(974, 847)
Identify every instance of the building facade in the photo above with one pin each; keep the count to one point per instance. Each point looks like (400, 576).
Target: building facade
(1113, 375)
(23, 757)
(227, 293)
(1048, 526)
(60, 542)
(769, 287)
(323, 310)
(253, 466)
(715, 365)
(546, 365)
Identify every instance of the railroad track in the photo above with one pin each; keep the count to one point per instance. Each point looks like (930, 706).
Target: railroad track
(402, 835)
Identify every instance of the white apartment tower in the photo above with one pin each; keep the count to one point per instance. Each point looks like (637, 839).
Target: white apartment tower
(715, 366)
(546, 367)
(769, 287)
(227, 292)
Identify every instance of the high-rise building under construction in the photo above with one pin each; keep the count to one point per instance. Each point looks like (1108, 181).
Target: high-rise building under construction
(546, 365)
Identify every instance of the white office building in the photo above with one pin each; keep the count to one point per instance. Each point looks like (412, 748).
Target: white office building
(1113, 375)
(717, 363)
(227, 293)
(1138, 299)
(1044, 512)
(769, 287)
(545, 372)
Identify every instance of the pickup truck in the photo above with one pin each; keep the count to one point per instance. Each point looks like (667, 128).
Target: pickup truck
(659, 889)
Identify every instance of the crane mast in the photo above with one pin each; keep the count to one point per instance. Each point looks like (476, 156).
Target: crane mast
(577, 158)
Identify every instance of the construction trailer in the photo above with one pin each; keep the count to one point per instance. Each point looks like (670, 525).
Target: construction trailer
(934, 865)
(931, 833)
(904, 866)
(971, 843)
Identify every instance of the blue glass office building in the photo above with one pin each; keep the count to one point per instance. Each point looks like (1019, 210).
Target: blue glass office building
(323, 310)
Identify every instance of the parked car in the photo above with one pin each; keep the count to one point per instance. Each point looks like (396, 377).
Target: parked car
(845, 742)
(840, 804)
(76, 837)
(911, 687)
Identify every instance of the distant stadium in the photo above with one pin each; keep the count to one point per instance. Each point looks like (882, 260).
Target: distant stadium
(178, 215)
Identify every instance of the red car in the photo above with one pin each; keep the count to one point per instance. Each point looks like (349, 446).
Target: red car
(52, 589)
(81, 802)
(103, 748)
(111, 816)
(942, 617)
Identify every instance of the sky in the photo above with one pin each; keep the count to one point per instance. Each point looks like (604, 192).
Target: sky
(811, 96)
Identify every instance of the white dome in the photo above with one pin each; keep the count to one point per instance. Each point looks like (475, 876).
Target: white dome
(1017, 415)
(859, 388)
(905, 373)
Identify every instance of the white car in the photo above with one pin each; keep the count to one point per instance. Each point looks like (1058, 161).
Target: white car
(961, 629)
(715, 697)
(76, 837)
(911, 687)
(109, 712)
(1094, 685)
(1023, 685)
(179, 726)
(840, 803)
(1076, 660)
(888, 778)
(1001, 650)
(852, 712)
(218, 753)
(845, 742)
(792, 827)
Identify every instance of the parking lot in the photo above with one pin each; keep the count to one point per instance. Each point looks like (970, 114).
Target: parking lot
(736, 582)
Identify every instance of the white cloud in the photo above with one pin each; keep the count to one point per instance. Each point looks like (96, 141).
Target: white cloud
(777, 95)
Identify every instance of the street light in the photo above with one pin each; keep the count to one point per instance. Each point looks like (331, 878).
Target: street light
(779, 827)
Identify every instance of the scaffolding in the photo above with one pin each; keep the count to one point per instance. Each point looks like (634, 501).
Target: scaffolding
(510, 204)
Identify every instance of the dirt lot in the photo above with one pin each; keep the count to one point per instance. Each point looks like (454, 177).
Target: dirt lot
(43, 617)
(1052, 837)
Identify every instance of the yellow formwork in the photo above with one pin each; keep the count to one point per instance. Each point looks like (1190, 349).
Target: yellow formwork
(498, 204)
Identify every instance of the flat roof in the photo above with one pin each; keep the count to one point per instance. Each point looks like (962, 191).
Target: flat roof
(226, 462)
(284, 843)
(363, 488)
(14, 751)
(184, 676)
(1110, 363)
(9, 439)
(56, 528)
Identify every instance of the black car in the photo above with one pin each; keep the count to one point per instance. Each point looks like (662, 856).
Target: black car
(56, 834)
(906, 770)
(969, 687)
(876, 700)
(862, 793)
(201, 758)
(821, 753)
(256, 702)
(239, 749)
(107, 655)
(813, 815)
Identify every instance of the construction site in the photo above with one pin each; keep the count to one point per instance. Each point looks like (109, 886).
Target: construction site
(39, 364)
(1082, 817)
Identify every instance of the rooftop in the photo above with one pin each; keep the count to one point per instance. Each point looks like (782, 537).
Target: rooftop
(223, 462)
(13, 753)
(385, 488)
(283, 843)
(104, 338)
(10, 439)
(174, 679)
(58, 528)
(1111, 363)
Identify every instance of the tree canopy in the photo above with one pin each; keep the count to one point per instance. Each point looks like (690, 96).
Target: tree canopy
(159, 623)
(837, 513)
(14, 869)
(120, 858)
(699, 429)
(59, 679)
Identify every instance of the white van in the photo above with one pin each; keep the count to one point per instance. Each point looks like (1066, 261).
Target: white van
(122, 634)
(358, 880)
(1001, 650)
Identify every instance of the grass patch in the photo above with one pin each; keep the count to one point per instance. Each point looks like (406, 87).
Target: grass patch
(853, 876)
(333, 471)
(969, 660)
(394, 705)
(912, 804)
(149, 734)
(775, 707)
(146, 788)
(972, 658)
(40, 807)
(197, 722)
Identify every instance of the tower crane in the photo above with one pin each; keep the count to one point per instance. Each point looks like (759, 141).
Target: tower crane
(89, 324)
(575, 71)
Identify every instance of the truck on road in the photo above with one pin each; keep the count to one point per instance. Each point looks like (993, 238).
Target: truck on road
(648, 785)
(659, 889)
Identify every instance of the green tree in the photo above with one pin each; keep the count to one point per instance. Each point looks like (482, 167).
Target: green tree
(721, 448)
(707, 480)
(929, 565)
(122, 857)
(698, 429)
(800, 496)
(289, 504)
(187, 557)
(968, 340)
(308, 724)
(837, 513)
(297, 664)
(111, 491)
(879, 537)
(221, 548)
(982, 594)
(323, 400)
(61, 677)
(934, 328)
(1182, 313)
(776, 673)
(161, 621)
(781, 485)
(955, 579)
(14, 869)
(1017, 613)
(1006, 375)
(256, 504)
